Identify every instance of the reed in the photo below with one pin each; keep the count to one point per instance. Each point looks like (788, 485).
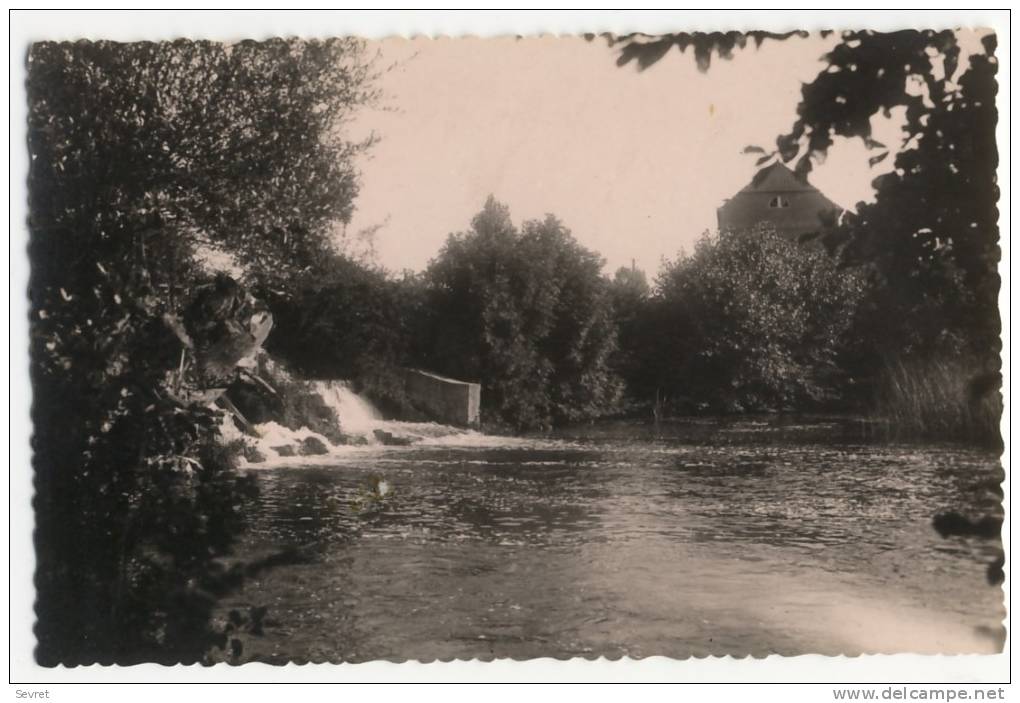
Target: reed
(942, 398)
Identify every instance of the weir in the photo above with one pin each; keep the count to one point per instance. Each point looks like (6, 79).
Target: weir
(450, 406)
(444, 399)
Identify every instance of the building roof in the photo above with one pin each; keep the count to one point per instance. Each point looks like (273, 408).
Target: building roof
(780, 197)
(777, 178)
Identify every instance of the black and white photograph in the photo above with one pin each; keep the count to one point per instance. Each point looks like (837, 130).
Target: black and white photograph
(606, 345)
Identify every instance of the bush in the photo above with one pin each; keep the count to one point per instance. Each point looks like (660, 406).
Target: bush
(135, 503)
(752, 321)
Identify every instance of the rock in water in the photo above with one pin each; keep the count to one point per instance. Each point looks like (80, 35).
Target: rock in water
(389, 439)
(252, 455)
(312, 446)
(952, 524)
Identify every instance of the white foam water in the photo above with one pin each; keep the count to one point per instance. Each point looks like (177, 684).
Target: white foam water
(357, 414)
(363, 423)
(273, 435)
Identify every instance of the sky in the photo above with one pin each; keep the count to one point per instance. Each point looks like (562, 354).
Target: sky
(635, 163)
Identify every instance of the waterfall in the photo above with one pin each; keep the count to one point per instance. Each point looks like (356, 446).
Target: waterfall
(362, 424)
(357, 414)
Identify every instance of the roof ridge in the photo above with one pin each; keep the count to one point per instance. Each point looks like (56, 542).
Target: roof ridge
(781, 179)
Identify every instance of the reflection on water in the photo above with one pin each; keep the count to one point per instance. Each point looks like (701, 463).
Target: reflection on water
(753, 537)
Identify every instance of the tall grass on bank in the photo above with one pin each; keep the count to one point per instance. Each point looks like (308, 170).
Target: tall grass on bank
(951, 399)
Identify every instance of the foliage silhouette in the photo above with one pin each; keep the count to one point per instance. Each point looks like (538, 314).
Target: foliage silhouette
(646, 50)
(145, 158)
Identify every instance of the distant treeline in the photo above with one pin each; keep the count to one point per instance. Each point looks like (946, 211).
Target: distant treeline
(893, 313)
(749, 321)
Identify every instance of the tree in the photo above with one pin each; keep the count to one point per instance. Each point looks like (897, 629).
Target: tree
(630, 293)
(142, 155)
(630, 287)
(582, 338)
(754, 321)
(528, 314)
(930, 238)
(931, 235)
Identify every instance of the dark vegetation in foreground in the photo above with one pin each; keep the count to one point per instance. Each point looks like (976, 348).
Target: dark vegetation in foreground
(147, 158)
(143, 157)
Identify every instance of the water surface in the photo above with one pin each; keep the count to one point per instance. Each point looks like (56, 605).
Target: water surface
(621, 539)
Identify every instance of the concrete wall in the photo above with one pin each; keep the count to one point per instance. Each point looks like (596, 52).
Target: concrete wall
(443, 399)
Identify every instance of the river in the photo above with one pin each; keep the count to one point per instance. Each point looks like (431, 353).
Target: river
(700, 537)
